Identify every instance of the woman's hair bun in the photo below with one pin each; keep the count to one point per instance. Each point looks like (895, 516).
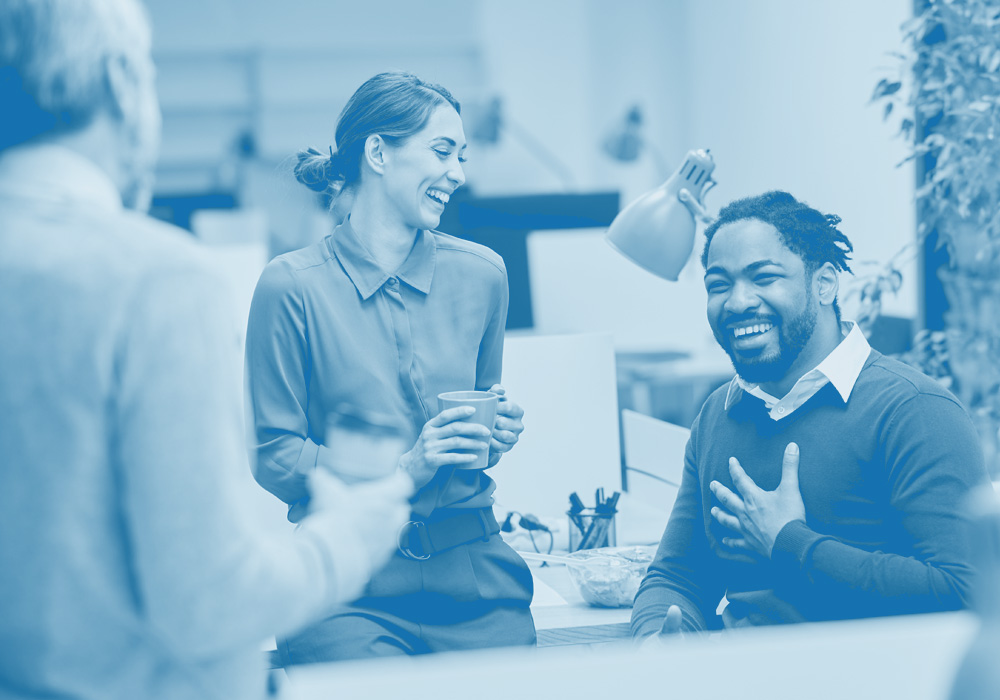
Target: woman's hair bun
(316, 170)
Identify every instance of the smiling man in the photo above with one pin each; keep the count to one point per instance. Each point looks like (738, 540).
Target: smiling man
(825, 481)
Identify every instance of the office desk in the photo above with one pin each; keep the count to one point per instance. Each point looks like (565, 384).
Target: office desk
(561, 615)
(905, 657)
(568, 620)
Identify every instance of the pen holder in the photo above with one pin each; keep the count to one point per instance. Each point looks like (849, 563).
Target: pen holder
(590, 529)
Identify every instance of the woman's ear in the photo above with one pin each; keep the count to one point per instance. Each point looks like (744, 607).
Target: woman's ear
(827, 283)
(375, 153)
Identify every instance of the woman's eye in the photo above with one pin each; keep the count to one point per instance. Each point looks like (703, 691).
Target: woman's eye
(443, 154)
(463, 159)
(766, 279)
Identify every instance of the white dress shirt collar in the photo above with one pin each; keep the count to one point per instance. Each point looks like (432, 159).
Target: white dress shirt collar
(840, 368)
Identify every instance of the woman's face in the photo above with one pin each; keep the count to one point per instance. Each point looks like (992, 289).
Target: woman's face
(422, 172)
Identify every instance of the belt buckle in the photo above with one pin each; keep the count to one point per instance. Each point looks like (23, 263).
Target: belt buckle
(404, 549)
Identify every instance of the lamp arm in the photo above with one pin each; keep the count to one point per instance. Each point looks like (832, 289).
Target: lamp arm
(694, 206)
(540, 152)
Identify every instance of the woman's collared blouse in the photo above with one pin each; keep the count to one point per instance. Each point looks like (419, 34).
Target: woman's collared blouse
(328, 326)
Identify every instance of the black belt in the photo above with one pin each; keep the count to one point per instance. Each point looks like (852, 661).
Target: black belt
(422, 539)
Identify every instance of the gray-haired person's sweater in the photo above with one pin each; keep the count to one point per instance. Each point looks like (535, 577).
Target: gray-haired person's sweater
(131, 563)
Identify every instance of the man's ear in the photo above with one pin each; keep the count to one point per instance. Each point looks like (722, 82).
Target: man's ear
(122, 76)
(375, 153)
(826, 281)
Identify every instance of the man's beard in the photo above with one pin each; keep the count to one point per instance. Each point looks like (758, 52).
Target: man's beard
(792, 338)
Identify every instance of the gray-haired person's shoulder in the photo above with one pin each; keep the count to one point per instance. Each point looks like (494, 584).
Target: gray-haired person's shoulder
(145, 242)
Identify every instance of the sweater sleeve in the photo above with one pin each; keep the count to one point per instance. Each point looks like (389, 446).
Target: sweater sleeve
(277, 391)
(208, 575)
(684, 571)
(933, 464)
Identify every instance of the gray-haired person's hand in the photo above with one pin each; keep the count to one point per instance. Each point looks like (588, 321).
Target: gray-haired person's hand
(359, 523)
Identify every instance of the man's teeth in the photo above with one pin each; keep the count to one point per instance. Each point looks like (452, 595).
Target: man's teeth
(752, 330)
(438, 195)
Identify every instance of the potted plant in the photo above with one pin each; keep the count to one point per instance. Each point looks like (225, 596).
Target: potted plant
(949, 92)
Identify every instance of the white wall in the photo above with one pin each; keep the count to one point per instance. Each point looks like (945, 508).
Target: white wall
(568, 70)
(778, 89)
(771, 87)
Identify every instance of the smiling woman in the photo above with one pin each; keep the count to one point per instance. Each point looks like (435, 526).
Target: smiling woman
(382, 316)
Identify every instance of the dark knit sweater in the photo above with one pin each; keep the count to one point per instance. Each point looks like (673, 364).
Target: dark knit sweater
(884, 478)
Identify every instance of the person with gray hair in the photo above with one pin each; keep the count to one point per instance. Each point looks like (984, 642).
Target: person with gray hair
(131, 566)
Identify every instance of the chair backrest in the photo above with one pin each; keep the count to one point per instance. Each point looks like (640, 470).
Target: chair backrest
(567, 386)
(654, 458)
(236, 239)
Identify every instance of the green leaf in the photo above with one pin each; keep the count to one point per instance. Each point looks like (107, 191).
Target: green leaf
(884, 88)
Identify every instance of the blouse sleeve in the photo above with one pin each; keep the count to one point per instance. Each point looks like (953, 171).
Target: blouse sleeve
(277, 367)
(489, 365)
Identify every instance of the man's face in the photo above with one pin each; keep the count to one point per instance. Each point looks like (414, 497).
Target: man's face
(761, 306)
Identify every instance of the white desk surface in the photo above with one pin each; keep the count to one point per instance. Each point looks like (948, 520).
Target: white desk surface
(906, 657)
(568, 619)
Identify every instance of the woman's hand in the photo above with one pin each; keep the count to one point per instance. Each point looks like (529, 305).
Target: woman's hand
(507, 427)
(441, 435)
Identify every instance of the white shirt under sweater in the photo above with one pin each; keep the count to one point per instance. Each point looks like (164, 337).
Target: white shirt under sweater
(840, 368)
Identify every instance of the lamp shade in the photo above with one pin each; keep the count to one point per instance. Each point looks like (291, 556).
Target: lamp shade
(657, 230)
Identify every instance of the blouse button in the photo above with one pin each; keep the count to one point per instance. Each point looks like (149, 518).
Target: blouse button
(392, 281)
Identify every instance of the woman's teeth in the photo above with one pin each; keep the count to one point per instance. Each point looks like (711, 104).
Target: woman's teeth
(752, 330)
(438, 196)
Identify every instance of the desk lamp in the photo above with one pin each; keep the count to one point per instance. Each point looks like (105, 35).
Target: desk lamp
(656, 231)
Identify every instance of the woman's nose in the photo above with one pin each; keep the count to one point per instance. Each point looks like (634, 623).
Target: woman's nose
(457, 175)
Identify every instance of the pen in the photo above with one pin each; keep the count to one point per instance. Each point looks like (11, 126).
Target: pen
(610, 504)
(604, 511)
(575, 508)
(586, 542)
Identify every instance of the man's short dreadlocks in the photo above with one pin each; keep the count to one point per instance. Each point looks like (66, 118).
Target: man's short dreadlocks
(812, 236)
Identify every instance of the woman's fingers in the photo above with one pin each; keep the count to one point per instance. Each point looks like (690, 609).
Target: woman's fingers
(460, 443)
(473, 430)
(448, 415)
(511, 424)
(510, 409)
(445, 459)
(501, 447)
(504, 436)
